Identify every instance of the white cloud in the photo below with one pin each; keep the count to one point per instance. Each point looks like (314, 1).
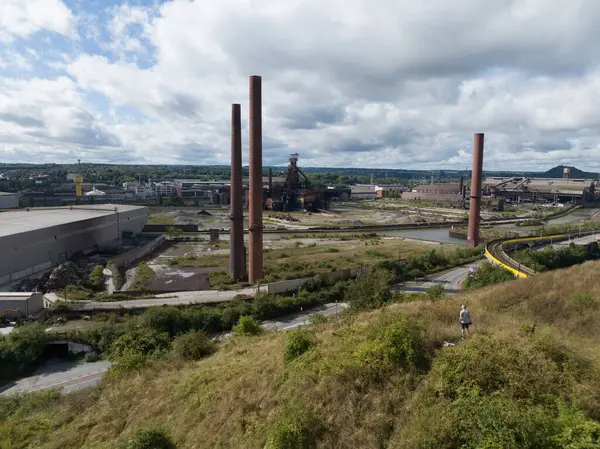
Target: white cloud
(23, 18)
(356, 82)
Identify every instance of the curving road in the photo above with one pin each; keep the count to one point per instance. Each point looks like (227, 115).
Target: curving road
(451, 280)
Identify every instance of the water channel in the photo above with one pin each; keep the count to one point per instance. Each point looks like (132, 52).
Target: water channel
(436, 234)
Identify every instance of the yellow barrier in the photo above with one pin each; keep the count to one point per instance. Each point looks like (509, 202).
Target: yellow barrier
(521, 240)
(506, 267)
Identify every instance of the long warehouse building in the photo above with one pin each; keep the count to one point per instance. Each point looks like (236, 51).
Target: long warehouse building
(35, 240)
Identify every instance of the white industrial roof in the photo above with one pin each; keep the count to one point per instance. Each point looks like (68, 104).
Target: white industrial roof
(16, 222)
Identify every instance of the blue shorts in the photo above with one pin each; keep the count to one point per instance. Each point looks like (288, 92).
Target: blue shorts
(464, 325)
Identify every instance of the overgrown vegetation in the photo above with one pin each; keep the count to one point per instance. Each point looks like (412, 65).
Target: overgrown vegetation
(553, 257)
(192, 345)
(149, 438)
(529, 378)
(20, 350)
(247, 326)
(298, 342)
(487, 274)
(144, 275)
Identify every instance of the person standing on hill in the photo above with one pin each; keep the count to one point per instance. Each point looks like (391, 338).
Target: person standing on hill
(465, 321)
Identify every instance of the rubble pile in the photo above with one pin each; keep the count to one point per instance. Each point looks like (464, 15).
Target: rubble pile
(63, 275)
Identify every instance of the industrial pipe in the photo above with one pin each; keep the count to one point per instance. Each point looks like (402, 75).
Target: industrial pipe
(237, 257)
(475, 202)
(255, 228)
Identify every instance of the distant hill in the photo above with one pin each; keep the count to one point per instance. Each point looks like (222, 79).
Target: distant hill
(557, 172)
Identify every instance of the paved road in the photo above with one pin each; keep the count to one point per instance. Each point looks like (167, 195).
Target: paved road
(451, 280)
(67, 376)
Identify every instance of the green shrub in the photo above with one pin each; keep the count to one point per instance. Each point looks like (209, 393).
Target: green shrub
(96, 278)
(247, 325)
(298, 342)
(332, 250)
(149, 438)
(435, 292)
(144, 276)
(294, 427)
(192, 346)
(370, 291)
(487, 274)
(488, 365)
(145, 342)
(399, 345)
(129, 362)
(20, 350)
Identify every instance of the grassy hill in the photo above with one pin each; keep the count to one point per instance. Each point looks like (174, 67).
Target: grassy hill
(529, 377)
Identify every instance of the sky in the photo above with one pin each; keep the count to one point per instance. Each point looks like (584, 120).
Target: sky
(398, 84)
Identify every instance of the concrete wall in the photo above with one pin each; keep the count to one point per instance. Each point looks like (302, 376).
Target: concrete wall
(163, 228)
(9, 200)
(129, 257)
(27, 253)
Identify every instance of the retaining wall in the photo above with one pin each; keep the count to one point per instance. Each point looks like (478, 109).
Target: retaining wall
(163, 228)
(129, 257)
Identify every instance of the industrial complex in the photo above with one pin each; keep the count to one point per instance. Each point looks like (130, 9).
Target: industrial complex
(33, 241)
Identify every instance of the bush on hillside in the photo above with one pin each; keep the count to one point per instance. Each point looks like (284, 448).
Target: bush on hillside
(294, 427)
(144, 342)
(247, 326)
(526, 373)
(20, 350)
(370, 291)
(192, 345)
(149, 438)
(399, 345)
(298, 342)
(435, 292)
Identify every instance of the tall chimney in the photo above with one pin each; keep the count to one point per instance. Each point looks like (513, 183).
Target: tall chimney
(271, 182)
(237, 256)
(475, 206)
(255, 271)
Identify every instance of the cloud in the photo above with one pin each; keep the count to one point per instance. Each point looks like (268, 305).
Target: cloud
(49, 113)
(375, 83)
(23, 18)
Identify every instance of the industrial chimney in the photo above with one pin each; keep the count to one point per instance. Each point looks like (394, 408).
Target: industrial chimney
(475, 204)
(237, 256)
(255, 227)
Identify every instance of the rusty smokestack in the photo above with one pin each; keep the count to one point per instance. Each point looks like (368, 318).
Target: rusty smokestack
(255, 265)
(475, 202)
(237, 256)
(271, 183)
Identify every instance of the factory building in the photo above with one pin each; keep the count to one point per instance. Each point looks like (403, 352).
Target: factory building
(451, 192)
(524, 189)
(9, 200)
(33, 241)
